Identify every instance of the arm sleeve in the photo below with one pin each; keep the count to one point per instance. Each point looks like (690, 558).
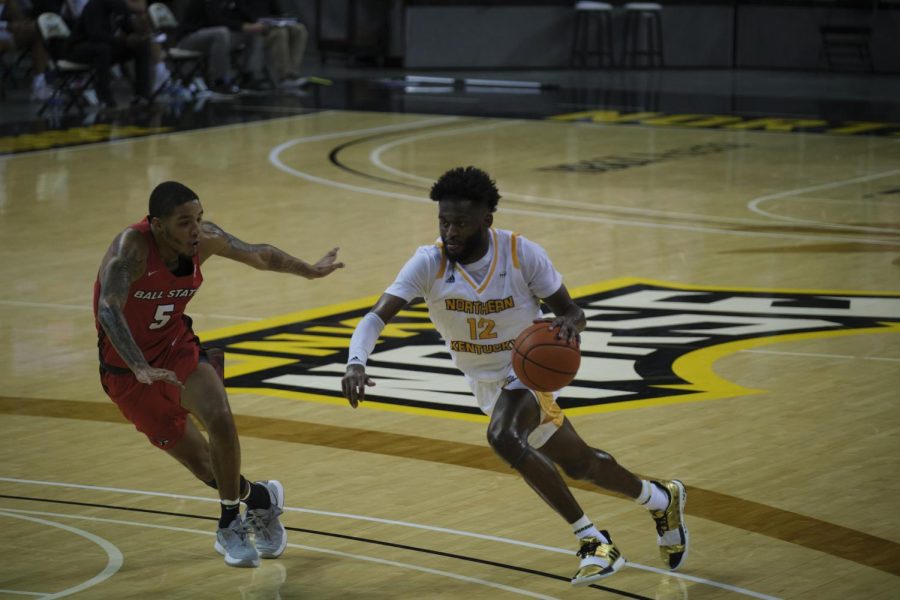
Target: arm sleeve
(362, 342)
(542, 277)
(413, 279)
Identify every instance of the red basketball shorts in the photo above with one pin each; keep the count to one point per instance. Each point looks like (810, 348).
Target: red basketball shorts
(155, 409)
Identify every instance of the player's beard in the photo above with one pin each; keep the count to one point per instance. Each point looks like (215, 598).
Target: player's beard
(185, 250)
(469, 248)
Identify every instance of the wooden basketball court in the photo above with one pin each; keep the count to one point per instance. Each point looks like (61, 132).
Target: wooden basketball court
(744, 305)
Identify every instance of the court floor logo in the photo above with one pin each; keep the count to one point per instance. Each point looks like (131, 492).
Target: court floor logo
(646, 343)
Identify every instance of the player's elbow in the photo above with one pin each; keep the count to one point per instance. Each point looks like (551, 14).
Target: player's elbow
(267, 258)
(107, 310)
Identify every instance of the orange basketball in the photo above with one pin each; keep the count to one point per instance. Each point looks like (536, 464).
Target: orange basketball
(541, 361)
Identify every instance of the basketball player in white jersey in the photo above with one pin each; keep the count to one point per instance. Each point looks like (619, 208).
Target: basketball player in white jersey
(482, 287)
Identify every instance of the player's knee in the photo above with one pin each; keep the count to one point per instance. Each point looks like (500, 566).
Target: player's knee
(219, 421)
(506, 443)
(605, 459)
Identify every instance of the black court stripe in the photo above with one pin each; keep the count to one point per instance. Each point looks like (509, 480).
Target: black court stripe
(472, 559)
(333, 155)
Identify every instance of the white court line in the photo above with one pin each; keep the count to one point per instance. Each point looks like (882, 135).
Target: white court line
(457, 532)
(275, 159)
(308, 139)
(382, 561)
(375, 159)
(822, 355)
(22, 593)
(754, 204)
(114, 556)
(89, 307)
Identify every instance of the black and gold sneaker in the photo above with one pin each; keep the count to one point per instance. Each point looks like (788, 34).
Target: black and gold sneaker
(670, 528)
(598, 560)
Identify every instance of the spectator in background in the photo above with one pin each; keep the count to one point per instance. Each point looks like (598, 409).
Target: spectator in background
(142, 26)
(247, 36)
(18, 31)
(202, 28)
(284, 38)
(106, 34)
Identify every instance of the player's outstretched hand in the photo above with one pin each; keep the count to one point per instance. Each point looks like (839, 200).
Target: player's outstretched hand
(354, 382)
(325, 265)
(151, 374)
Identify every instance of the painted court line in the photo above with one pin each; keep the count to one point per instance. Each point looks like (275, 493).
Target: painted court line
(392, 563)
(823, 355)
(278, 163)
(754, 204)
(114, 556)
(375, 157)
(457, 532)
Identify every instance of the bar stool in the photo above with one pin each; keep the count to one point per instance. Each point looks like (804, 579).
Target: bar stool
(643, 34)
(596, 16)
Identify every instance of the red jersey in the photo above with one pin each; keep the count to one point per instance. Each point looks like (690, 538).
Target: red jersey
(155, 306)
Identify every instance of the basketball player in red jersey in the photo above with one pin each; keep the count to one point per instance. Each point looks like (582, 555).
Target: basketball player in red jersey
(153, 368)
(482, 286)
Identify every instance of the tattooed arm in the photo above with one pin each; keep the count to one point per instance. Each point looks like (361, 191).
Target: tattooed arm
(215, 240)
(124, 263)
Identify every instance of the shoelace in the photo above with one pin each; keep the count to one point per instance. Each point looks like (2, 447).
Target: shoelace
(258, 524)
(662, 522)
(588, 549)
(241, 531)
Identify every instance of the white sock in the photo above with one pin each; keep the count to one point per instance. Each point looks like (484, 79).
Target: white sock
(652, 496)
(39, 81)
(584, 527)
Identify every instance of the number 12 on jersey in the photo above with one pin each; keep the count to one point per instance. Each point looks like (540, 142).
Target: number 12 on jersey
(481, 329)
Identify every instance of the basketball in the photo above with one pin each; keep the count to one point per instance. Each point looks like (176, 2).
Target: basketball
(541, 361)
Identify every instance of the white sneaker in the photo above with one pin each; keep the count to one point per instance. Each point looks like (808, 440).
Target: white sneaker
(40, 91)
(234, 543)
(671, 530)
(293, 83)
(271, 537)
(598, 560)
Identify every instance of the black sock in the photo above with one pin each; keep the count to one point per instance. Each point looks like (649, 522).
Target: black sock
(229, 514)
(258, 497)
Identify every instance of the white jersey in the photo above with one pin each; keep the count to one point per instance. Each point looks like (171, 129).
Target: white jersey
(480, 308)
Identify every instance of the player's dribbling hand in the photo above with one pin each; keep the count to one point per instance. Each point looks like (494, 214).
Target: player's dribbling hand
(151, 374)
(353, 384)
(568, 329)
(325, 265)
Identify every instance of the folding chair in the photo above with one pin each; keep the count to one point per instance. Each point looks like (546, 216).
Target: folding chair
(9, 70)
(184, 65)
(63, 74)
